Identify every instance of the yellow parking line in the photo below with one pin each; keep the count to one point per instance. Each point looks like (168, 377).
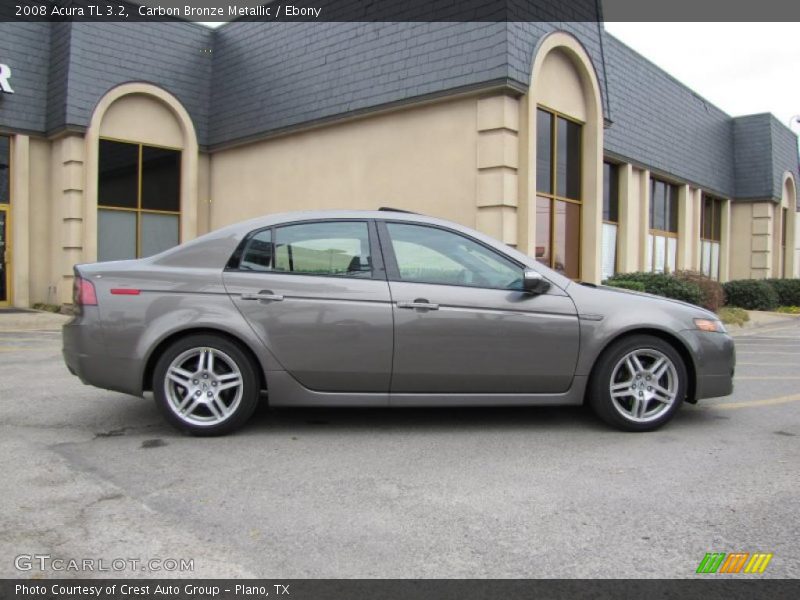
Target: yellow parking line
(28, 349)
(757, 403)
(770, 364)
(767, 377)
(768, 352)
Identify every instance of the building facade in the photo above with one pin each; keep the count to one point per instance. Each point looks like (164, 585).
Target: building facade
(120, 140)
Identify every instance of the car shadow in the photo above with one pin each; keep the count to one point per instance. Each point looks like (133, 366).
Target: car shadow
(142, 417)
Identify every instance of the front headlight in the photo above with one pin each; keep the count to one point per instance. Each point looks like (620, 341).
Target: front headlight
(712, 325)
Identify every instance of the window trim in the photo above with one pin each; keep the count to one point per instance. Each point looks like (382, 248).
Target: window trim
(139, 173)
(393, 270)
(378, 269)
(553, 196)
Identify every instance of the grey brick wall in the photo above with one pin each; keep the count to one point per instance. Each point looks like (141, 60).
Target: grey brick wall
(663, 124)
(268, 76)
(784, 156)
(166, 54)
(60, 35)
(523, 39)
(25, 48)
(753, 156)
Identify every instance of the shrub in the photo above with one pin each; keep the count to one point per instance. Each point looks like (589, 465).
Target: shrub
(752, 294)
(624, 284)
(662, 284)
(731, 315)
(713, 294)
(789, 310)
(788, 291)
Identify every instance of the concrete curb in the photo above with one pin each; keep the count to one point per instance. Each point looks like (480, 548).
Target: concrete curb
(32, 321)
(760, 319)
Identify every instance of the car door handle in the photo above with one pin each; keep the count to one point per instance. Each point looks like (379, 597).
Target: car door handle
(418, 303)
(263, 295)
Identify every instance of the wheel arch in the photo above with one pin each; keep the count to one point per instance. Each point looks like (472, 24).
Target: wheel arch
(673, 340)
(155, 354)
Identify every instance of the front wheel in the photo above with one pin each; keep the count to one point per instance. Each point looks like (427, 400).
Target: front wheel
(205, 385)
(638, 384)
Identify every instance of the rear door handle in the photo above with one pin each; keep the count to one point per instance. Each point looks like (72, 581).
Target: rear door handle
(263, 295)
(419, 303)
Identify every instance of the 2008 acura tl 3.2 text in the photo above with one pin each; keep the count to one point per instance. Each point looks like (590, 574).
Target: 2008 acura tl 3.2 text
(381, 308)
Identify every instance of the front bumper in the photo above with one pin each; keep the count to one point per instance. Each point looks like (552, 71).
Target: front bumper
(714, 357)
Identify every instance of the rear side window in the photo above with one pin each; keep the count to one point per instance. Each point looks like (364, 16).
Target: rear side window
(340, 248)
(337, 248)
(257, 252)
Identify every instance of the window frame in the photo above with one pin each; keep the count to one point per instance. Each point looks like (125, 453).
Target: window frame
(139, 211)
(393, 269)
(553, 196)
(378, 269)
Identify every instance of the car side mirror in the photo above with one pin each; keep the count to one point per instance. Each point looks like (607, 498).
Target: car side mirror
(534, 283)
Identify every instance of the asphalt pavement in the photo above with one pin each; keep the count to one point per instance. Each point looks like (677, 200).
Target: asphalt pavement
(457, 493)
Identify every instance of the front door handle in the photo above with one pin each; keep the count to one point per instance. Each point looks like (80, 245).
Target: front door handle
(263, 295)
(419, 303)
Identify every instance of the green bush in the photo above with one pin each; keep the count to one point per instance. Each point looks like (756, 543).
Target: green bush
(662, 284)
(752, 294)
(713, 294)
(788, 291)
(624, 284)
(789, 310)
(731, 315)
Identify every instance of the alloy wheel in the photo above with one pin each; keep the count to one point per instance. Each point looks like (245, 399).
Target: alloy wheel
(644, 385)
(203, 386)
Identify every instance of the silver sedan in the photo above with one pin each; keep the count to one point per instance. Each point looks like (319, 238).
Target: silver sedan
(381, 308)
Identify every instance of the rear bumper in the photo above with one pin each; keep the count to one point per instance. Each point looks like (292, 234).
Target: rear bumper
(715, 362)
(85, 355)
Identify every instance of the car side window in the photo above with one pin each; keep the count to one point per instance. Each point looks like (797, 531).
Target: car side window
(432, 255)
(257, 252)
(338, 248)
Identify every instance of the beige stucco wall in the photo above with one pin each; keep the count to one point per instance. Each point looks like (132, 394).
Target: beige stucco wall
(421, 159)
(141, 118)
(39, 222)
(562, 79)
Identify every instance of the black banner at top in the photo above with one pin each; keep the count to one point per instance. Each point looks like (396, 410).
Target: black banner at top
(399, 10)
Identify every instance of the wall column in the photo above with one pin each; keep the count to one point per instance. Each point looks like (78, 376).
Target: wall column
(686, 237)
(725, 242)
(628, 228)
(761, 239)
(498, 160)
(644, 218)
(20, 220)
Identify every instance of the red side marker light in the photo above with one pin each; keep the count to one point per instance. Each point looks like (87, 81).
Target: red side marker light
(125, 291)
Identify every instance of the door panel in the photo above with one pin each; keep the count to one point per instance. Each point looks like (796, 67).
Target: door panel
(331, 334)
(5, 257)
(482, 340)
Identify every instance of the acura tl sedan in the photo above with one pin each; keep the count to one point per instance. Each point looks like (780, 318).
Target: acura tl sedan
(381, 308)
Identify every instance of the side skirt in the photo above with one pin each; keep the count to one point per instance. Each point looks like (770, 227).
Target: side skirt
(285, 390)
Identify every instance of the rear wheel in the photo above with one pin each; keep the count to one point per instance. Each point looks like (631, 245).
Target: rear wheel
(205, 385)
(638, 384)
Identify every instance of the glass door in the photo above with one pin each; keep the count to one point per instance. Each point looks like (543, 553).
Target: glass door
(5, 257)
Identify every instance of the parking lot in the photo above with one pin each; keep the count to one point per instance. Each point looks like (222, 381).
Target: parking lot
(539, 492)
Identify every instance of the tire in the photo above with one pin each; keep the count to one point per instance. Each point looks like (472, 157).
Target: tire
(646, 377)
(212, 397)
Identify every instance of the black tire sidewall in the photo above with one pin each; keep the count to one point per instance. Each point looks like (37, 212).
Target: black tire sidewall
(250, 384)
(600, 395)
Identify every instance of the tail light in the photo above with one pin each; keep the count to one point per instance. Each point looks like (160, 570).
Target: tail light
(83, 292)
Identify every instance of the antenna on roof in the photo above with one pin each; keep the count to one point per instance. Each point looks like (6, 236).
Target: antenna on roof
(397, 210)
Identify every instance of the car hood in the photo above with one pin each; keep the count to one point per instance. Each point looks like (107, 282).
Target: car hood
(643, 298)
